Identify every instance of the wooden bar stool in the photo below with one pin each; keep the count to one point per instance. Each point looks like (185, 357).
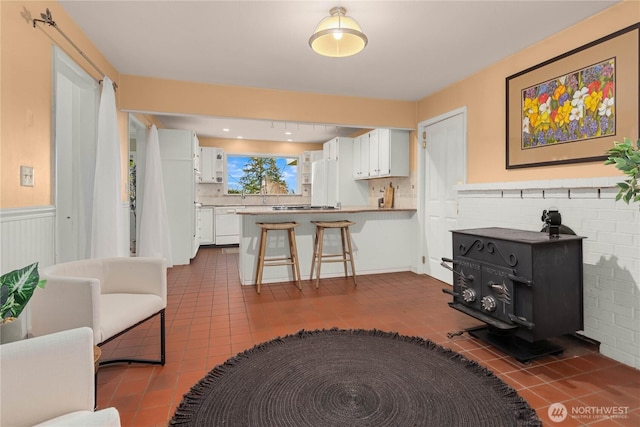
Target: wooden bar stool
(291, 260)
(344, 257)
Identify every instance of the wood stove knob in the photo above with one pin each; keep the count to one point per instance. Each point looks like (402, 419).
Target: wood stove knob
(488, 303)
(469, 295)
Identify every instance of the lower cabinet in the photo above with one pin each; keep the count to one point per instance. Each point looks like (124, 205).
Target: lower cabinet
(206, 235)
(227, 225)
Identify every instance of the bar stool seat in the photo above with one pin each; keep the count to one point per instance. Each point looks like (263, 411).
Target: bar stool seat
(291, 260)
(347, 252)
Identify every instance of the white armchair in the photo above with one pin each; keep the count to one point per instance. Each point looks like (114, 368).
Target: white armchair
(109, 295)
(49, 381)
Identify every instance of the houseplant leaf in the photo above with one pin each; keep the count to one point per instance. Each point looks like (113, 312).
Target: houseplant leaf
(16, 289)
(626, 158)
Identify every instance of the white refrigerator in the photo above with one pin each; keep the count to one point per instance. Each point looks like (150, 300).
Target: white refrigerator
(332, 185)
(324, 183)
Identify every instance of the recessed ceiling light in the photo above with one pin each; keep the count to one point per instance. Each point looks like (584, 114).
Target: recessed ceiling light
(225, 130)
(289, 140)
(239, 137)
(287, 133)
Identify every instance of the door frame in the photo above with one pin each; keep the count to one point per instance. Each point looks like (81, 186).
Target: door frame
(139, 133)
(422, 188)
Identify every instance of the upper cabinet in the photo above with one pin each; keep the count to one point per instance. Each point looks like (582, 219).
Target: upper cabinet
(381, 153)
(361, 157)
(212, 165)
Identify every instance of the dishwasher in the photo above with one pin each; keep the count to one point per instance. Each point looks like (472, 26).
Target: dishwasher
(227, 225)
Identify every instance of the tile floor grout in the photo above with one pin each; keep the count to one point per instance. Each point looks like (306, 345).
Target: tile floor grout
(211, 317)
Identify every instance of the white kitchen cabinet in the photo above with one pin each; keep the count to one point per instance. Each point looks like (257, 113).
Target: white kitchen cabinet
(388, 153)
(227, 225)
(374, 157)
(361, 157)
(205, 225)
(212, 165)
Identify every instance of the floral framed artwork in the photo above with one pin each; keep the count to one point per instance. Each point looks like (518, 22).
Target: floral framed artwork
(571, 108)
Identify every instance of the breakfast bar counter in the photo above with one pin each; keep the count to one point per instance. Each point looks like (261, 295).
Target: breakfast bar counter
(383, 240)
(301, 209)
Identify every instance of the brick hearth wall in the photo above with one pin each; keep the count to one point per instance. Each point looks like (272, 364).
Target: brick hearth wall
(611, 250)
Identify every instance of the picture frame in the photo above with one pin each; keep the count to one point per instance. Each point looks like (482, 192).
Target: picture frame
(571, 108)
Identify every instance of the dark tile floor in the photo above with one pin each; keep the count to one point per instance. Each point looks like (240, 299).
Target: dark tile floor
(211, 317)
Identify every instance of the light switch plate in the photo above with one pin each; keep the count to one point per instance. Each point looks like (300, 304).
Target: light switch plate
(26, 176)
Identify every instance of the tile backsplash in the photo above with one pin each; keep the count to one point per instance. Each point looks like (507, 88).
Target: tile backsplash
(405, 194)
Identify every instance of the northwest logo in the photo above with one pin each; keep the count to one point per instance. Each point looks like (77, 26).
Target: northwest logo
(557, 412)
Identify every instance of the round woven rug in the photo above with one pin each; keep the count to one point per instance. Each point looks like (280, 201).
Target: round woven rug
(351, 378)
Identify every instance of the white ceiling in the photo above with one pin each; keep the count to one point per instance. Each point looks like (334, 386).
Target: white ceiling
(415, 47)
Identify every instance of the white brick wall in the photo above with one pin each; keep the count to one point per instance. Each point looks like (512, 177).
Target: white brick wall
(611, 250)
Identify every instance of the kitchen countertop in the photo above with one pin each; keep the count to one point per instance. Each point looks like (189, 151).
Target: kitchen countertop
(268, 210)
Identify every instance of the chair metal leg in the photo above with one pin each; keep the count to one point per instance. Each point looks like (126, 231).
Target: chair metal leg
(163, 342)
(144, 361)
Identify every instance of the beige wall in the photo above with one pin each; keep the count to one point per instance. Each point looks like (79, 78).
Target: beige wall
(171, 96)
(26, 97)
(484, 96)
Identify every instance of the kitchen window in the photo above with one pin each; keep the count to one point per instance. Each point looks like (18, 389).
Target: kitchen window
(262, 174)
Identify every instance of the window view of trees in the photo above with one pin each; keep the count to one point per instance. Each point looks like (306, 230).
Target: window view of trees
(255, 175)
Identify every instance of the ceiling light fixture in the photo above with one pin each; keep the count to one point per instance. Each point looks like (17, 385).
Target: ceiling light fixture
(338, 35)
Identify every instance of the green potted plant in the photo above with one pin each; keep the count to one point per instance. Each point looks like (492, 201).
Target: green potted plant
(626, 158)
(16, 289)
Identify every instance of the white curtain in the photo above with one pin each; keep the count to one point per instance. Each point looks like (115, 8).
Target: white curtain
(107, 225)
(154, 237)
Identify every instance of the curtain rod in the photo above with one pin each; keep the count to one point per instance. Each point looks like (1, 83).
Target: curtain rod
(48, 20)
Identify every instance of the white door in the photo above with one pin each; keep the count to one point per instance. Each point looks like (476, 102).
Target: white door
(445, 167)
(75, 117)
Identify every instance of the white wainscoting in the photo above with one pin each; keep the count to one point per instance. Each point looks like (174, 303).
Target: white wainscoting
(611, 249)
(27, 235)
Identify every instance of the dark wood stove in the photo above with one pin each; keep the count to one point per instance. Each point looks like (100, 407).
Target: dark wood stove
(526, 286)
